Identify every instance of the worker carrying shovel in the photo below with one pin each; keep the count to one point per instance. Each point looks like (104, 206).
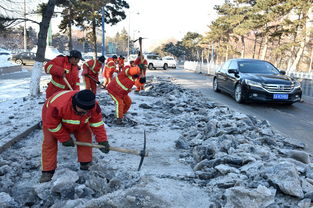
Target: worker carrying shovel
(69, 114)
(91, 71)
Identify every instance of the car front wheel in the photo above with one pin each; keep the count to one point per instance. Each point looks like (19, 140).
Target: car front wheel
(150, 66)
(165, 66)
(19, 61)
(215, 85)
(238, 94)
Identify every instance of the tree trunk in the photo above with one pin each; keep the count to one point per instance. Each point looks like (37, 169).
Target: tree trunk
(264, 48)
(277, 60)
(305, 40)
(226, 55)
(94, 34)
(311, 60)
(259, 52)
(41, 48)
(70, 41)
(292, 51)
(254, 45)
(243, 46)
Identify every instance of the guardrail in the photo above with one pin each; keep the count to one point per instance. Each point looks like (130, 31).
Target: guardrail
(200, 67)
(301, 75)
(306, 79)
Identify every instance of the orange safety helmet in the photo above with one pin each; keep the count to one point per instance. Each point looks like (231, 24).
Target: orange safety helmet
(134, 70)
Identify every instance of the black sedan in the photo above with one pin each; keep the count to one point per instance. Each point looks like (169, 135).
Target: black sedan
(256, 80)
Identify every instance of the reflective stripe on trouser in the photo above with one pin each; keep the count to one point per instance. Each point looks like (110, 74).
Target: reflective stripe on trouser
(122, 105)
(50, 148)
(90, 85)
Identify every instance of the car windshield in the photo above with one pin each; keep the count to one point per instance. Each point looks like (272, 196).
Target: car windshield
(258, 67)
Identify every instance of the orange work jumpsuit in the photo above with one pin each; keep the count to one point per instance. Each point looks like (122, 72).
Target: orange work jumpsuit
(110, 68)
(120, 62)
(140, 86)
(119, 88)
(92, 69)
(60, 120)
(57, 67)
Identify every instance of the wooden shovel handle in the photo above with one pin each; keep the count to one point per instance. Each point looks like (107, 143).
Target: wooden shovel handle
(67, 83)
(116, 149)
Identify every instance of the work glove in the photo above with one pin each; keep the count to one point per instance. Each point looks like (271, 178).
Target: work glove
(142, 80)
(69, 143)
(106, 148)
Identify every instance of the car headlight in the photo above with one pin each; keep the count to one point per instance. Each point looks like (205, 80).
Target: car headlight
(253, 83)
(297, 84)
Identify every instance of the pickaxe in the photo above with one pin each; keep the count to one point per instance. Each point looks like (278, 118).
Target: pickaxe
(142, 153)
(140, 48)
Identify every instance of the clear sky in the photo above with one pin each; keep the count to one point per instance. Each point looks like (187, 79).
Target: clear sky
(160, 20)
(157, 20)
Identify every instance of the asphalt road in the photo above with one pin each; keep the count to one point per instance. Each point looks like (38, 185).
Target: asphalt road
(295, 121)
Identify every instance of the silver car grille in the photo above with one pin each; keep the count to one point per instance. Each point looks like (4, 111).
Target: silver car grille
(276, 88)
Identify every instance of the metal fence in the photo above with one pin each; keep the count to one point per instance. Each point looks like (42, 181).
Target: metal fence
(306, 79)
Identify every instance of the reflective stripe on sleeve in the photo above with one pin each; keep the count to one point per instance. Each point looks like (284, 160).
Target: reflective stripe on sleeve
(96, 124)
(57, 84)
(129, 77)
(77, 83)
(120, 84)
(58, 95)
(49, 67)
(74, 122)
(56, 129)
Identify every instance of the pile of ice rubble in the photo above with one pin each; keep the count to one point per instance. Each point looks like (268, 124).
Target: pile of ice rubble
(238, 160)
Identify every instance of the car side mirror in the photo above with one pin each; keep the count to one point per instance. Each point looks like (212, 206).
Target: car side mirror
(233, 71)
(282, 72)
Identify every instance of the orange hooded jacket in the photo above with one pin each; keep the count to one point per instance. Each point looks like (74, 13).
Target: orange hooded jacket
(59, 117)
(57, 67)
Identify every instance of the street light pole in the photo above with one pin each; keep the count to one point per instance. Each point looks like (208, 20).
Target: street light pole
(25, 36)
(103, 33)
(128, 44)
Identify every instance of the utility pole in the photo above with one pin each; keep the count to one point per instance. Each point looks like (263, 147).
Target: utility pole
(103, 33)
(25, 35)
(128, 44)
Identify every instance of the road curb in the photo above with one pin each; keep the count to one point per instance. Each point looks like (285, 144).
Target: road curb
(10, 69)
(10, 142)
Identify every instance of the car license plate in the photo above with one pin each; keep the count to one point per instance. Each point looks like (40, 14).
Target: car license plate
(280, 96)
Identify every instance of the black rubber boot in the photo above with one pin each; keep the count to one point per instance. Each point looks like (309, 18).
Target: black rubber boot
(46, 176)
(85, 165)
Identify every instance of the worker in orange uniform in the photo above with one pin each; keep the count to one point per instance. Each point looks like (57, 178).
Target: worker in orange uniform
(65, 113)
(142, 63)
(91, 71)
(120, 62)
(63, 67)
(119, 88)
(110, 68)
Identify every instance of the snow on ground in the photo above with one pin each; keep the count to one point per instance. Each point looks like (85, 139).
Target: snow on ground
(201, 154)
(5, 63)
